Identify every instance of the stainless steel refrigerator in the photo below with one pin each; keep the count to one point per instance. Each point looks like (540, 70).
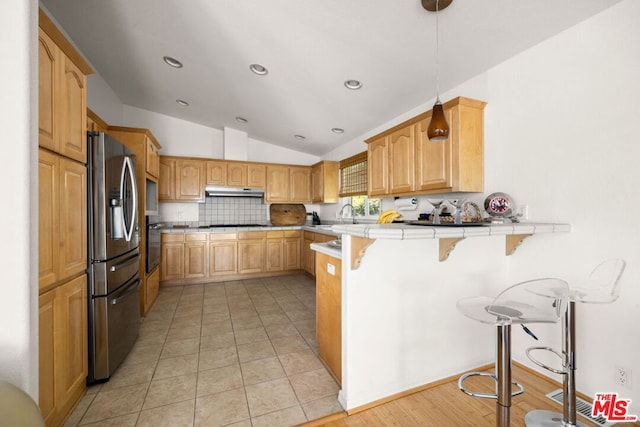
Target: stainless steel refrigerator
(114, 258)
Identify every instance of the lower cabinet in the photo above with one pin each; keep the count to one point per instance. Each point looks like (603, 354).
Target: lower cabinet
(308, 254)
(63, 349)
(151, 289)
(329, 312)
(198, 257)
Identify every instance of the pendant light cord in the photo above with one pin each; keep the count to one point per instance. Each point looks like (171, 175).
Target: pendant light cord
(437, 53)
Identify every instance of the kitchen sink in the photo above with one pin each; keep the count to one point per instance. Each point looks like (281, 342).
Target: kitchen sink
(323, 227)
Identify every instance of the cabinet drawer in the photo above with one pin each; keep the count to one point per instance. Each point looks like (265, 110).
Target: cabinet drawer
(275, 234)
(172, 238)
(195, 237)
(248, 235)
(309, 235)
(292, 233)
(222, 236)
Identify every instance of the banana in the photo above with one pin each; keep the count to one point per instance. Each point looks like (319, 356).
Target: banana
(387, 217)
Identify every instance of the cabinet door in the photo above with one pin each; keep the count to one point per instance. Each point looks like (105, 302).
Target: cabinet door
(292, 253)
(189, 180)
(377, 167)
(167, 181)
(73, 218)
(236, 174)
(278, 189)
(308, 255)
(223, 257)
(329, 313)
(256, 175)
(317, 187)
(70, 346)
(48, 219)
(46, 399)
(401, 160)
(73, 111)
(300, 178)
(153, 159)
(195, 256)
(152, 287)
(48, 58)
(172, 262)
(433, 159)
(275, 256)
(250, 256)
(216, 172)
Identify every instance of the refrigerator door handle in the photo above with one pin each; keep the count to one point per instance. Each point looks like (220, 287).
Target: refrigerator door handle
(128, 261)
(128, 174)
(131, 289)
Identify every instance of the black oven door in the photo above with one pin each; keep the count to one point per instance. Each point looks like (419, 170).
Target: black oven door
(153, 243)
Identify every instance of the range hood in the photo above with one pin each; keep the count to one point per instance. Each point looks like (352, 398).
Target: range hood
(233, 192)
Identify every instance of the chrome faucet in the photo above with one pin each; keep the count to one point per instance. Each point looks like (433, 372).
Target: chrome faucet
(342, 213)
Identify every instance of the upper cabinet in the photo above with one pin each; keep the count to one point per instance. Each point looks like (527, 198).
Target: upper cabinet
(235, 174)
(62, 101)
(402, 160)
(324, 182)
(182, 179)
(288, 184)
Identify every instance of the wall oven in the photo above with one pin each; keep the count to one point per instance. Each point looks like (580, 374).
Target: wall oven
(153, 242)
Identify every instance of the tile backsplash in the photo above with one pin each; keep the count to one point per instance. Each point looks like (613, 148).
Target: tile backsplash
(217, 210)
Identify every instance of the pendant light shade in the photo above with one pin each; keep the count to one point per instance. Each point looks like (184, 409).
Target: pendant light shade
(438, 129)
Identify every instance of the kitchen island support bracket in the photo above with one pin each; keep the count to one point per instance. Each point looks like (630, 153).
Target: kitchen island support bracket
(513, 241)
(446, 246)
(359, 247)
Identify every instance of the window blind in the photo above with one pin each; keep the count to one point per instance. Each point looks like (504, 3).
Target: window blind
(353, 175)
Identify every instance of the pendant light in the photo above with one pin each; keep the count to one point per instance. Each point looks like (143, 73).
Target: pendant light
(438, 129)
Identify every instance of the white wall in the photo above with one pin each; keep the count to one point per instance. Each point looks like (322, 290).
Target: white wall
(562, 136)
(103, 100)
(18, 246)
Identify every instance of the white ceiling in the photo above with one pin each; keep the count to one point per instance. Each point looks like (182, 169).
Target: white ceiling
(310, 48)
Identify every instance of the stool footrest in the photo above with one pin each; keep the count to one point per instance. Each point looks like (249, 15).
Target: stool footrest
(562, 356)
(485, 395)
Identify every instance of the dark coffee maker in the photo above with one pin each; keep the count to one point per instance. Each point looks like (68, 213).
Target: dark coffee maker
(315, 219)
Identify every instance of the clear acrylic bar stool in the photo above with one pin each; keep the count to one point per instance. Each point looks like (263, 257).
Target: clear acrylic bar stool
(601, 287)
(525, 302)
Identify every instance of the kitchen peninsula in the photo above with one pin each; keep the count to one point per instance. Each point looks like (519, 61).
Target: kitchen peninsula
(400, 327)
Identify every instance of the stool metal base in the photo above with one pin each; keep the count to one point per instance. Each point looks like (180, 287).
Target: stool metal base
(540, 418)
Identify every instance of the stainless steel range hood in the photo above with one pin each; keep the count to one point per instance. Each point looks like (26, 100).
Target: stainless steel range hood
(233, 192)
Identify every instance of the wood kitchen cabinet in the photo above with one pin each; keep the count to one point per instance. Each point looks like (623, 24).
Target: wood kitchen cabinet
(172, 256)
(324, 182)
(153, 157)
(292, 249)
(288, 184)
(402, 161)
(251, 252)
(283, 250)
(223, 254)
(195, 255)
(182, 179)
(329, 312)
(62, 223)
(62, 98)
(244, 174)
(216, 172)
(62, 349)
(308, 254)
(151, 289)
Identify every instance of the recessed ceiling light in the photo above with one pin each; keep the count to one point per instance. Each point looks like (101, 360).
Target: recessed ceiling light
(241, 120)
(182, 103)
(299, 137)
(172, 61)
(337, 130)
(258, 69)
(352, 84)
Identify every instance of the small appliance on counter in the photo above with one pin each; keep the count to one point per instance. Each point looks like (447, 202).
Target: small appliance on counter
(315, 219)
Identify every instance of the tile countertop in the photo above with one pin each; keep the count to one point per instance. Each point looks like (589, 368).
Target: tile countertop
(323, 230)
(407, 231)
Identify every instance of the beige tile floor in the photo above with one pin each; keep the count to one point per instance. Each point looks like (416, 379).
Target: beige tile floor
(239, 353)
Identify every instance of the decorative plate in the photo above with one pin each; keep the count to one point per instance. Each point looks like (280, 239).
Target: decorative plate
(498, 205)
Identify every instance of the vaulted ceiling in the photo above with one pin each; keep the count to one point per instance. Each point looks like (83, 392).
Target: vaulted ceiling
(310, 48)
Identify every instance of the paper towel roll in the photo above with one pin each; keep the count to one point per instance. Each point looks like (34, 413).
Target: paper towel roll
(406, 204)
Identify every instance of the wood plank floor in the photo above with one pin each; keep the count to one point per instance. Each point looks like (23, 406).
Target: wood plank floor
(445, 405)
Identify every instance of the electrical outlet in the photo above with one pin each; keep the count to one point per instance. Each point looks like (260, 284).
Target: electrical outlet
(623, 376)
(522, 212)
